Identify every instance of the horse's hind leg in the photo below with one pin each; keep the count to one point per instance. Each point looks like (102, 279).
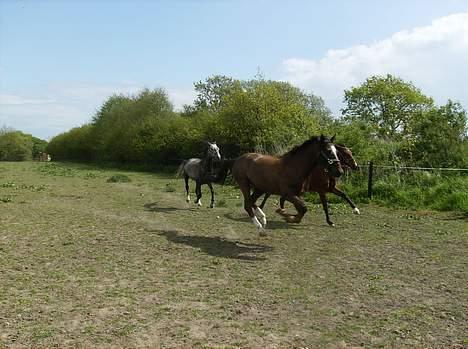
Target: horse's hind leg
(186, 178)
(300, 207)
(257, 210)
(343, 195)
(212, 194)
(265, 198)
(198, 192)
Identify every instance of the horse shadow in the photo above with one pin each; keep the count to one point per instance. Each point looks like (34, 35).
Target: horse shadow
(153, 207)
(217, 246)
(273, 225)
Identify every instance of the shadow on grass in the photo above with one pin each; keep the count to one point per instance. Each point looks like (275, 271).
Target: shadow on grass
(271, 225)
(153, 207)
(216, 246)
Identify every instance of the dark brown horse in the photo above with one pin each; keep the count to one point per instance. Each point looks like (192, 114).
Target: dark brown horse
(321, 181)
(283, 175)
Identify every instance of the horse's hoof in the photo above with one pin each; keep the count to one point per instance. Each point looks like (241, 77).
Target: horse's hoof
(292, 219)
(262, 232)
(331, 224)
(211, 206)
(356, 211)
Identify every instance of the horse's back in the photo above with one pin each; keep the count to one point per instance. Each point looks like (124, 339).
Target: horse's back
(263, 171)
(192, 167)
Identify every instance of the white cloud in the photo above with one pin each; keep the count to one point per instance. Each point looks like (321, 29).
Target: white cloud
(433, 57)
(61, 107)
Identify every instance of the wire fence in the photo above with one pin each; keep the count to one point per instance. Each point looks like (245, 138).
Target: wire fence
(371, 172)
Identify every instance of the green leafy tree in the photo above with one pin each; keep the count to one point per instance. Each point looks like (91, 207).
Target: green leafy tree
(15, 146)
(39, 146)
(265, 116)
(387, 103)
(438, 137)
(210, 93)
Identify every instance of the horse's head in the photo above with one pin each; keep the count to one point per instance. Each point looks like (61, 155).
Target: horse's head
(346, 157)
(329, 157)
(213, 151)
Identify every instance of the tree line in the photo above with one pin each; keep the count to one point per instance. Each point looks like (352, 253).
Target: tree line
(385, 118)
(18, 146)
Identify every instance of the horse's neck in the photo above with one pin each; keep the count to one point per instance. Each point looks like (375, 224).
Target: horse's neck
(304, 162)
(206, 163)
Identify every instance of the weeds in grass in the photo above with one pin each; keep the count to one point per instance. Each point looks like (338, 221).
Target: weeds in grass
(6, 199)
(169, 188)
(8, 185)
(119, 178)
(221, 203)
(53, 169)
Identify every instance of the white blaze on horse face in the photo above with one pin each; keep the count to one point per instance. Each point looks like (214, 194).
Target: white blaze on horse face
(335, 153)
(214, 151)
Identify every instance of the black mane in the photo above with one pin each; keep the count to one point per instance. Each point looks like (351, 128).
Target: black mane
(299, 148)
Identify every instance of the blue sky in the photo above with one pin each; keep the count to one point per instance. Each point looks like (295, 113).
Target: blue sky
(59, 60)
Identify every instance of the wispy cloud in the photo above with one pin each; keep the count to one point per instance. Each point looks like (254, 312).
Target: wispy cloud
(433, 57)
(7, 99)
(61, 107)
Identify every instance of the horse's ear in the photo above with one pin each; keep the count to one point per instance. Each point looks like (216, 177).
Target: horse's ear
(333, 139)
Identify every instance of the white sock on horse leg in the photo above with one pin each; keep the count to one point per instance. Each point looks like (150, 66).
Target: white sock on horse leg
(199, 202)
(188, 198)
(261, 215)
(356, 211)
(256, 222)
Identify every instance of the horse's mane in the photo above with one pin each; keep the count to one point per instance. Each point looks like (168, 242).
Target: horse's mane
(299, 148)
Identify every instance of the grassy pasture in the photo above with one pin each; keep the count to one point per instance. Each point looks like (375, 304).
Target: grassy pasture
(88, 262)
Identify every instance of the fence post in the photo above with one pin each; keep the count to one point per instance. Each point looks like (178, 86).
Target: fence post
(369, 180)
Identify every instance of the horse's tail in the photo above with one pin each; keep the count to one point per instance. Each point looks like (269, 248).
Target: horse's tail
(180, 170)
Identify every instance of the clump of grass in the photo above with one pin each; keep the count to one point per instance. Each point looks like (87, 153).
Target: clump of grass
(90, 175)
(8, 185)
(5, 199)
(169, 188)
(53, 169)
(119, 178)
(221, 203)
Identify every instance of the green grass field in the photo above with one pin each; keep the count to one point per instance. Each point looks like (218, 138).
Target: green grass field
(91, 263)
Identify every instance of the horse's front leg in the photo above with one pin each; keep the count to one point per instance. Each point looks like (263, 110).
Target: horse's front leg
(323, 199)
(300, 207)
(343, 195)
(212, 194)
(198, 192)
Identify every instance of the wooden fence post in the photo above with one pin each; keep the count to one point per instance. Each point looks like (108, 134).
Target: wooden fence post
(369, 180)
